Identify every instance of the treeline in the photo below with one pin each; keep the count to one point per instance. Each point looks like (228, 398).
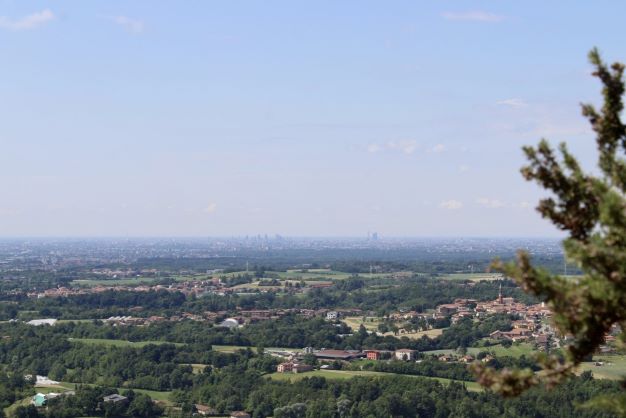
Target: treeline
(88, 401)
(290, 331)
(234, 388)
(163, 367)
(13, 387)
(426, 367)
(417, 293)
(239, 381)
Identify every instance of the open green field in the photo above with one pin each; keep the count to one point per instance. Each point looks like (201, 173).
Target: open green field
(154, 394)
(38, 389)
(310, 275)
(614, 367)
(313, 274)
(118, 343)
(475, 277)
(27, 315)
(431, 333)
(255, 285)
(348, 374)
(197, 368)
(25, 401)
(498, 350)
(8, 411)
(133, 281)
(370, 323)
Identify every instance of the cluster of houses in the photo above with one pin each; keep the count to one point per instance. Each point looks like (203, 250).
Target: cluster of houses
(237, 318)
(41, 399)
(198, 288)
(295, 365)
(527, 328)
(524, 329)
(201, 287)
(462, 308)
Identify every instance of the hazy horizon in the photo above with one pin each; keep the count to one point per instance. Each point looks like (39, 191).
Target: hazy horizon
(149, 119)
(272, 236)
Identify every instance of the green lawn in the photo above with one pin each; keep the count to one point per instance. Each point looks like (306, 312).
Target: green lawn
(475, 277)
(348, 374)
(313, 274)
(154, 394)
(614, 367)
(371, 324)
(431, 333)
(118, 343)
(8, 411)
(354, 322)
(196, 368)
(498, 350)
(255, 285)
(134, 281)
(310, 274)
(38, 389)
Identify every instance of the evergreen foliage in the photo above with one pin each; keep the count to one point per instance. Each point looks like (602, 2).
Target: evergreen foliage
(592, 210)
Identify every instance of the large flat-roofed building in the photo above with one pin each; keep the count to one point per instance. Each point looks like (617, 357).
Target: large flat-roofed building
(338, 354)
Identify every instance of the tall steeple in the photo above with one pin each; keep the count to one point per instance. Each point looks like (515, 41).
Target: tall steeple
(500, 294)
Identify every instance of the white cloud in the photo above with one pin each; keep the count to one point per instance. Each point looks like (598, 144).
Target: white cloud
(438, 149)
(476, 16)
(490, 203)
(27, 22)
(451, 204)
(513, 102)
(406, 147)
(211, 207)
(130, 24)
(524, 205)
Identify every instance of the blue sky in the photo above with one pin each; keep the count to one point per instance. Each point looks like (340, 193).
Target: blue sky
(153, 118)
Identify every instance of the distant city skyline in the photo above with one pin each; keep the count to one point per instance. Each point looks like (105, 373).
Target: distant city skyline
(218, 119)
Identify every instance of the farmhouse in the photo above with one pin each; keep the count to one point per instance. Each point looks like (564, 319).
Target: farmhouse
(447, 309)
(301, 368)
(405, 354)
(205, 410)
(332, 315)
(284, 367)
(377, 354)
(293, 367)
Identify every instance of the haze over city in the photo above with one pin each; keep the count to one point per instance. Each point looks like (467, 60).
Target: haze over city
(327, 119)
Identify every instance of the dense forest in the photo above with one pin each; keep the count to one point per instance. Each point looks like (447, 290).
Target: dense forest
(234, 381)
(417, 293)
